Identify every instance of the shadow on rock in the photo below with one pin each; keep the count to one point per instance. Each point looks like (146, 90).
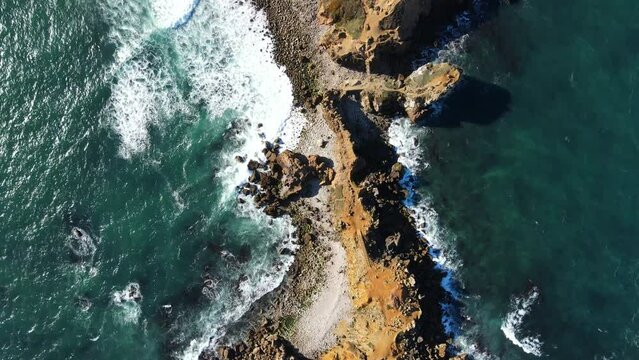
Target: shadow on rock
(473, 101)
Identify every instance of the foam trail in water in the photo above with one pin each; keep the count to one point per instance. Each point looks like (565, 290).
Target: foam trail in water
(453, 38)
(512, 324)
(259, 280)
(230, 64)
(405, 138)
(233, 69)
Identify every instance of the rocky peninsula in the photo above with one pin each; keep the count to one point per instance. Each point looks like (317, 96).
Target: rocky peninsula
(363, 285)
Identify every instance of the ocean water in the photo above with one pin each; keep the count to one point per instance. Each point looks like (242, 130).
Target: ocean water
(119, 125)
(121, 235)
(526, 180)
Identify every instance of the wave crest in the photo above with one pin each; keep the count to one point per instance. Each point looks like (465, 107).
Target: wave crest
(513, 323)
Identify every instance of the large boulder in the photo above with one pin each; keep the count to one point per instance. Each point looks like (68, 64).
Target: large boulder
(284, 176)
(426, 85)
(295, 173)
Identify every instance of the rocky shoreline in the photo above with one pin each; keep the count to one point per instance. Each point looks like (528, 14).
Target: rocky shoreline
(362, 285)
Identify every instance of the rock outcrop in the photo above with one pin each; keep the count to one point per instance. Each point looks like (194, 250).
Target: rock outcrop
(366, 32)
(394, 288)
(284, 176)
(262, 343)
(412, 96)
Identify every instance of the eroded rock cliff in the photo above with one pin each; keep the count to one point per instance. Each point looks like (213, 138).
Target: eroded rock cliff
(366, 34)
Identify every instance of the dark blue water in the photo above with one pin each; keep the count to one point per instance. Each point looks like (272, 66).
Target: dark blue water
(534, 175)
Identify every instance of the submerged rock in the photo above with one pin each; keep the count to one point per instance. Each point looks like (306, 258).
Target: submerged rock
(81, 244)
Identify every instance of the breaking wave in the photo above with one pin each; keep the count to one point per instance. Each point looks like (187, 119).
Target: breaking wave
(453, 39)
(513, 323)
(174, 13)
(227, 65)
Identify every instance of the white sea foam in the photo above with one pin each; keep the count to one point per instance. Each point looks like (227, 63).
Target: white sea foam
(453, 39)
(172, 13)
(130, 25)
(259, 279)
(405, 137)
(513, 323)
(127, 303)
(81, 244)
(224, 52)
(139, 98)
(230, 64)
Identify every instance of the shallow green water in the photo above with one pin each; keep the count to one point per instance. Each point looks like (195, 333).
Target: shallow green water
(118, 126)
(538, 183)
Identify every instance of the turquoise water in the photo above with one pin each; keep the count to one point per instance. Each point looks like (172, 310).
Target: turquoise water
(117, 122)
(533, 174)
(122, 118)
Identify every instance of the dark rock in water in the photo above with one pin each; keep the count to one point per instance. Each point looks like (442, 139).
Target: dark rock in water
(130, 293)
(249, 189)
(83, 302)
(253, 165)
(255, 177)
(286, 252)
(240, 159)
(81, 245)
(244, 253)
(134, 292)
(77, 233)
(166, 309)
(210, 283)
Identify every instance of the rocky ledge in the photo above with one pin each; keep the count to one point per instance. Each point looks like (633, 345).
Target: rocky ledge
(412, 95)
(369, 34)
